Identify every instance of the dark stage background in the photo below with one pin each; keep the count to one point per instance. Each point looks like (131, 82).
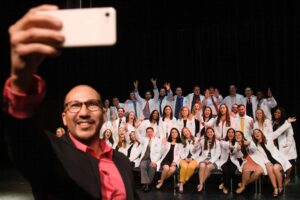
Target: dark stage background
(248, 43)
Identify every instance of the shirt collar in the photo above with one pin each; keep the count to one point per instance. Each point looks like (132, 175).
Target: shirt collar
(105, 148)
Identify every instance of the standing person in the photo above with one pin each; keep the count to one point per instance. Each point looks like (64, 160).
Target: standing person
(266, 104)
(186, 119)
(194, 97)
(234, 111)
(285, 142)
(249, 101)
(178, 101)
(206, 120)
(213, 99)
(262, 123)
(167, 122)
(78, 165)
(106, 110)
(165, 98)
(223, 122)
(148, 104)
(132, 105)
(115, 107)
(233, 97)
(107, 137)
(153, 122)
(244, 123)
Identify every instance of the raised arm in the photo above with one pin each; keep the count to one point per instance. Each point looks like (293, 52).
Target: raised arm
(136, 92)
(155, 90)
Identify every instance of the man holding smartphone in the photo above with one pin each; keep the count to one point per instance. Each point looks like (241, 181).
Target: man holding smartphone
(78, 165)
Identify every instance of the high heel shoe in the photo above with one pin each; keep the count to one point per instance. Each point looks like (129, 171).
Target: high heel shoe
(159, 185)
(180, 188)
(240, 189)
(280, 190)
(199, 187)
(275, 192)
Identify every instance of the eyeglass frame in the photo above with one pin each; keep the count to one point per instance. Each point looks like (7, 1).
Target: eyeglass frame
(86, 103)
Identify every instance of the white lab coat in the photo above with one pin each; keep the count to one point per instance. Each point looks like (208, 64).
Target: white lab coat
(230, 100)
(247, 126)
(166, 148)
(189, 100)
(152, 102)
(190, 124)
(166, 126)
(135, 154)
(225, 152)
(215, 151)
(155, 148)
(266, 105)
(184, 151)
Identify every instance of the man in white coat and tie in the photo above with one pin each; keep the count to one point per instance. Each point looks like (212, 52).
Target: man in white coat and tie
(148, 104)
(244, 123)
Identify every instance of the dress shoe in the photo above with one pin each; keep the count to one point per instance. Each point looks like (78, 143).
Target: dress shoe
(147, 188)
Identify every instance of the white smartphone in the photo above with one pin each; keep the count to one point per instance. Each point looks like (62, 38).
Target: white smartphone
(87, 26)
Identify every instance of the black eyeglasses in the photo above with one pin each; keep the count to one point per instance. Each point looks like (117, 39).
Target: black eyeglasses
(75, 106)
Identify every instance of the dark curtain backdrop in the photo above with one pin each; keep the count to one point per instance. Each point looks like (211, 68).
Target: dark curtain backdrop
(247, 43)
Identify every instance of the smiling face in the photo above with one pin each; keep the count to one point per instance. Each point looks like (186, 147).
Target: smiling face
(238, 136)
(174, 134)
(84, 125)
(257, 135)
(230, 134)
(210, 133)
(107, 134)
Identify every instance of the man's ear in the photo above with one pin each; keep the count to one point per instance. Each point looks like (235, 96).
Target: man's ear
(63, 116)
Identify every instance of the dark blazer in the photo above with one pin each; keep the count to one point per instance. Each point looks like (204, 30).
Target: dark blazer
(54, 167)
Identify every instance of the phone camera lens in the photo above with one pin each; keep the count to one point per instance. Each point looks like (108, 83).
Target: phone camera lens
(107, 14)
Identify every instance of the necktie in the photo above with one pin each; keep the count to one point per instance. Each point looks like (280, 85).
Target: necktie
(147, 110)
(242, 124)
(249, 110)
(258, 104)
(134, 106)
(215, 105)
(178, 106)
(160, 102)
(119, 122)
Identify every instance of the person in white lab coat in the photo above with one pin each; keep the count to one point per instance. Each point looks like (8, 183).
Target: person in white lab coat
(170, 157)
(210, 153)
(150, 155)
(153, 122)
(253, 166)
(134, 150)
(186, 119)
(285, 143)
(223, 122)
(265, 103)
(167, 122)
(275, 161)
(188, 157)
(262, 123)
(108, 138)
(228, 161)
(213, 99)
(194, 97)
(233, 97)
(148, 104)
(206, 120)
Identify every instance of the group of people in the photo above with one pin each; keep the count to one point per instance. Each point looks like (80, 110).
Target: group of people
(248, 133)
(193, 132)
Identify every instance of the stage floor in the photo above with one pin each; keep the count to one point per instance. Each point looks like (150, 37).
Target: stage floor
(14, 187)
